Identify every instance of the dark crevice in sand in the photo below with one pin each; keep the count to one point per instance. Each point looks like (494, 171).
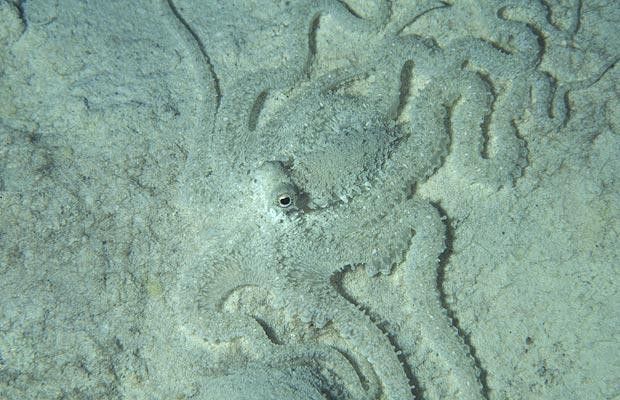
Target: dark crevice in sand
(349, 9)
(269, 331)
(441, 272)
(257, 107)
(314, 27)
(414, 19)
(405, 89)
(485, 127)
(203, 51)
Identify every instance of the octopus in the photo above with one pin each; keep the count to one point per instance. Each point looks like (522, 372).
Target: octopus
(308, 178)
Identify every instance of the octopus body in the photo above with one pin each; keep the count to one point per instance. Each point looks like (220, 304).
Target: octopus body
(313, 175)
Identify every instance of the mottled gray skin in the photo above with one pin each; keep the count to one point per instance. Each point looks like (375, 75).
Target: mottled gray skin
(311, 172)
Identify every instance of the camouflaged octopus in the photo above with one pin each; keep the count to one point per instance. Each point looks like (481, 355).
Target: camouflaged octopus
(313, 174)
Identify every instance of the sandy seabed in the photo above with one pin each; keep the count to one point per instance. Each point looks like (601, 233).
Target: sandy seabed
(141, 256)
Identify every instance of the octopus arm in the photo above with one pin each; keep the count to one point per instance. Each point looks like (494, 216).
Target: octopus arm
(373, 231)
(439, 335)
(322, 303)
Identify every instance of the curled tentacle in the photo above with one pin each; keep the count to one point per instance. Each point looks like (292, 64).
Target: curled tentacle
(464, 111)
(321, 305)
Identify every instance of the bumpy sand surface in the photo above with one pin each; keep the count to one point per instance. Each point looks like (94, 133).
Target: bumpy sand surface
(309, 200)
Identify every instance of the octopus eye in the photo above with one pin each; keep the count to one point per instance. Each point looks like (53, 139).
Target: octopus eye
(285, 196)
(284, 200)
